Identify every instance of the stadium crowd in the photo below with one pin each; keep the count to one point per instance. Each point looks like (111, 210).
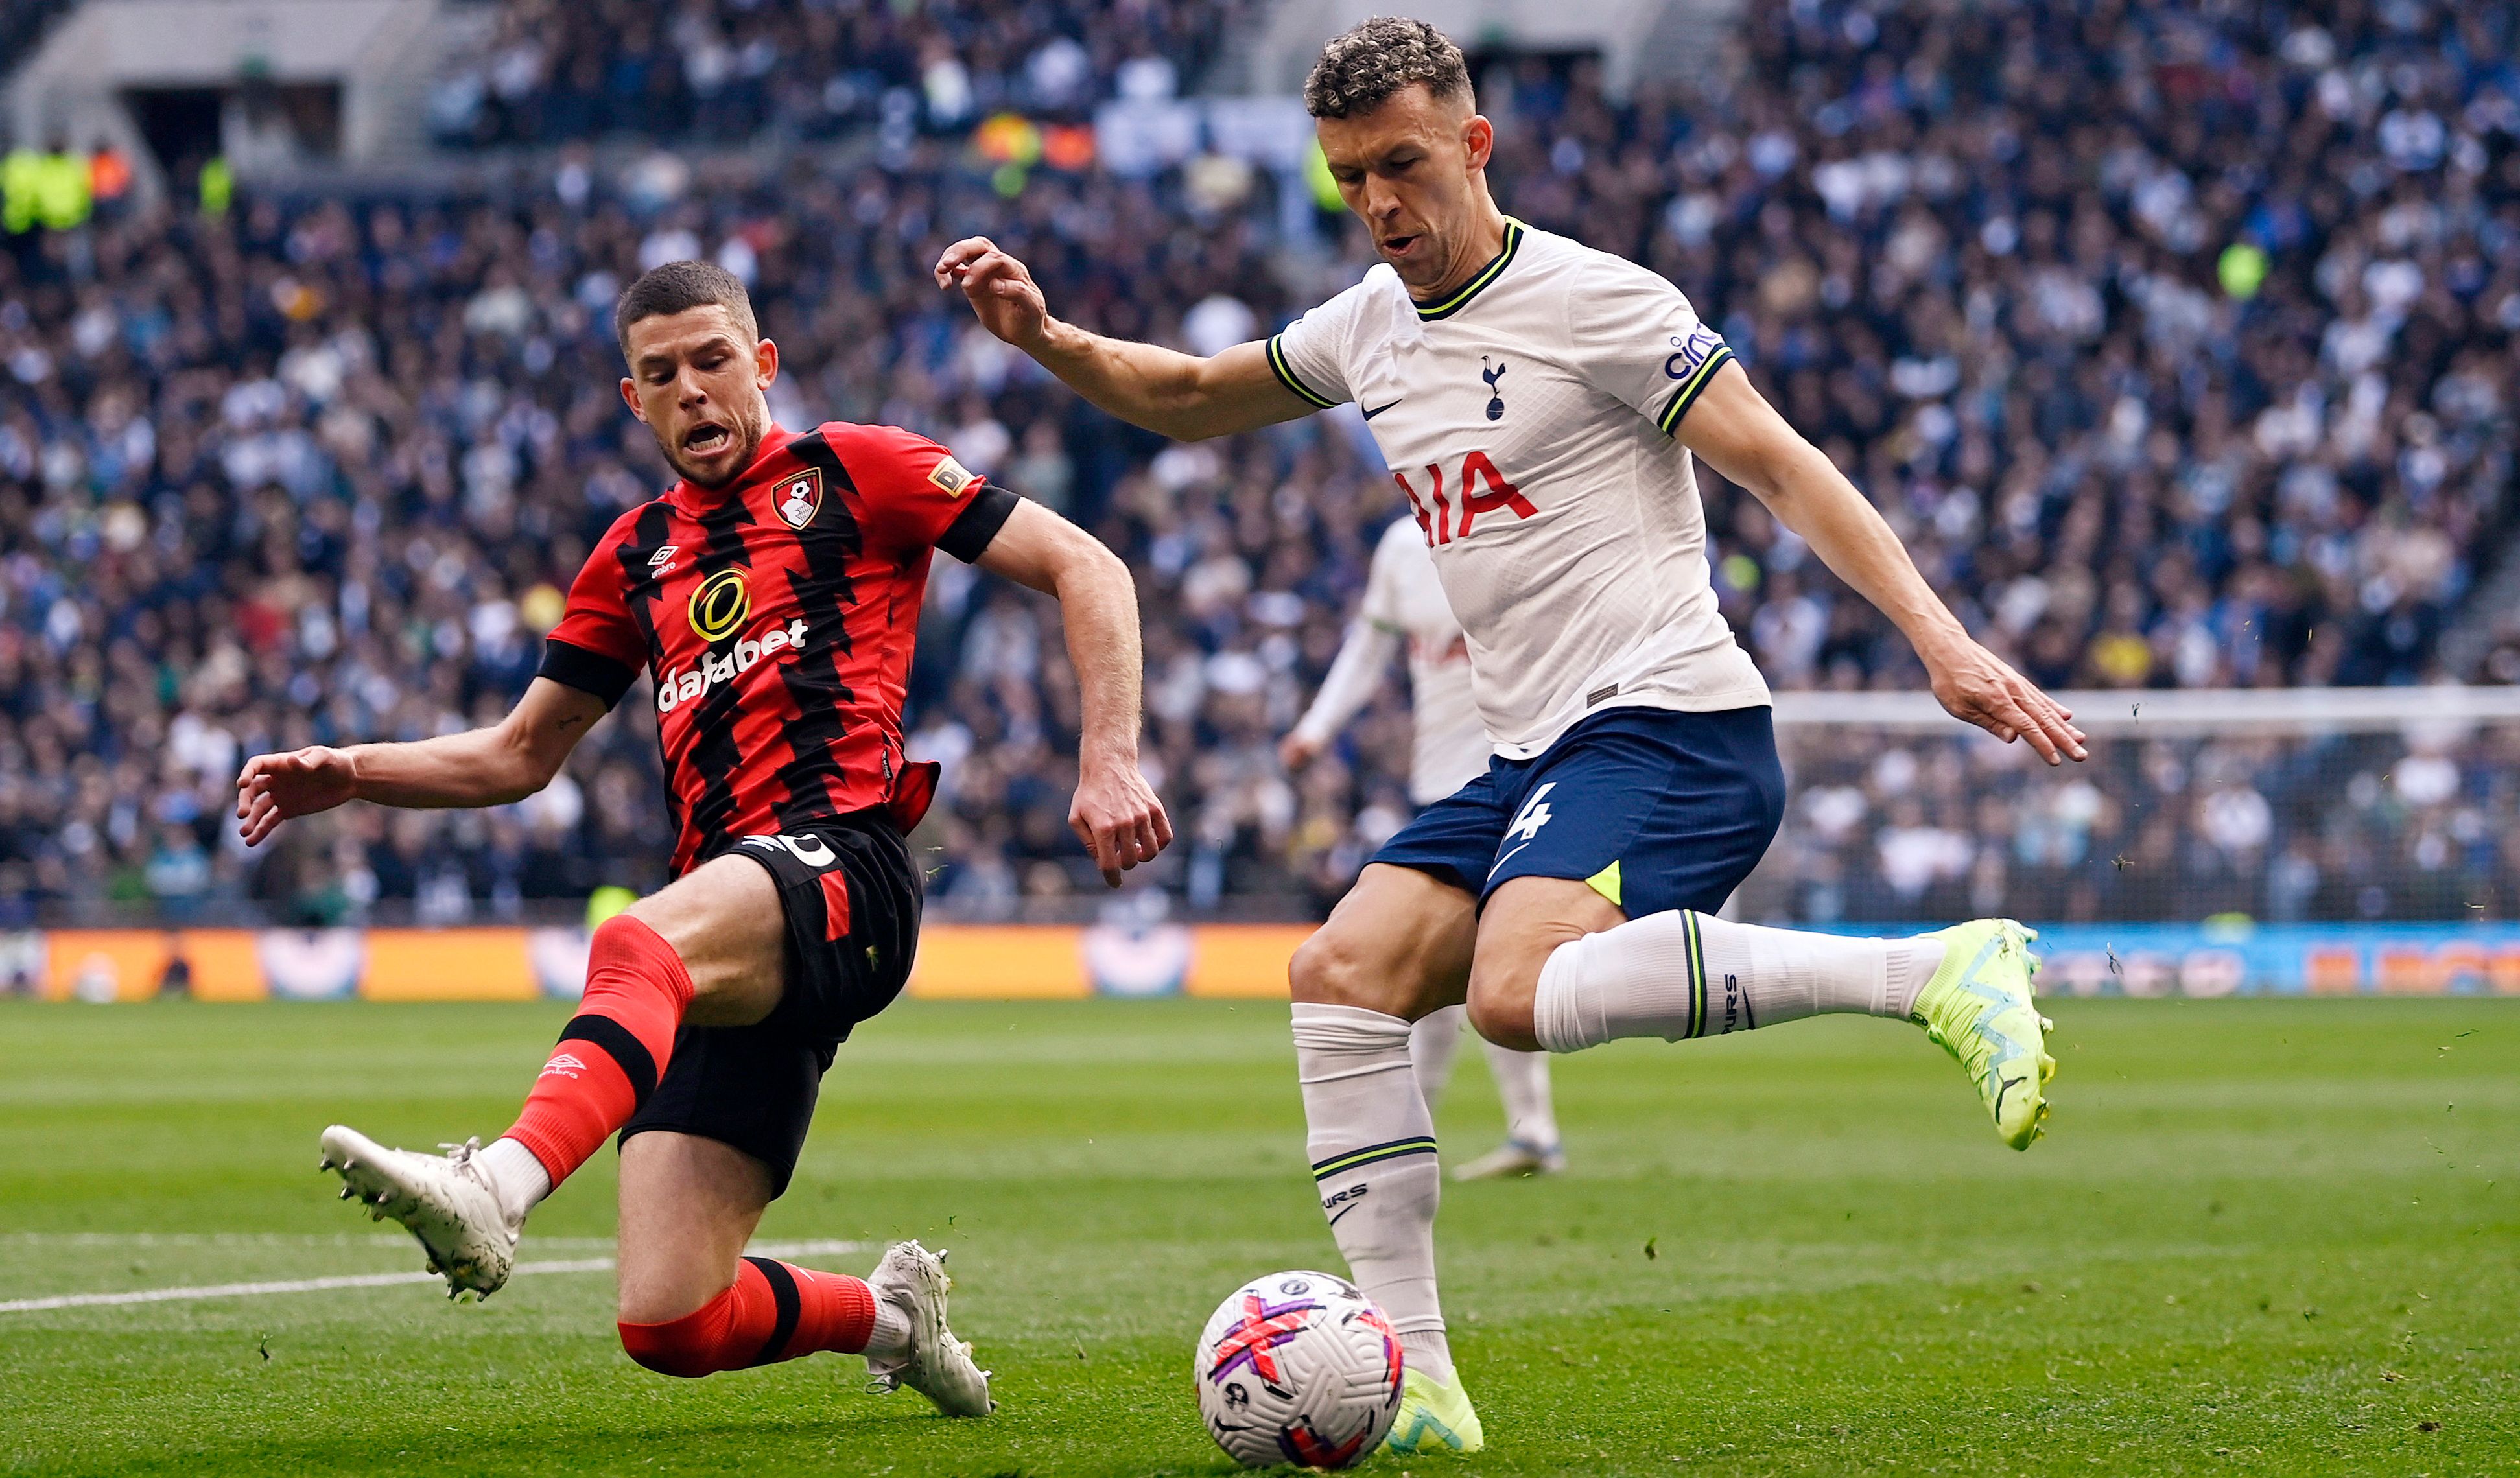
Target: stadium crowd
(735, 72)
(2179, 342)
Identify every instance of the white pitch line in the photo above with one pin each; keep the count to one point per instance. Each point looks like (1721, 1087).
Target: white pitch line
(364, 1280)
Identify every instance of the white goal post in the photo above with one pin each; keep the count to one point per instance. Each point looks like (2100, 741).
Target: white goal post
(2314, 839)
(2183, 712)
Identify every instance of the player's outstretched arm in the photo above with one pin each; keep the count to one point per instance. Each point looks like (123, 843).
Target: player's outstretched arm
(1355, 675)
(481, 767)
(1741, 435)
(1116, 813)
(1179, 395)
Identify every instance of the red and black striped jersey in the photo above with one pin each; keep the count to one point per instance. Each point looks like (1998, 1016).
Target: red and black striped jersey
(776, 616)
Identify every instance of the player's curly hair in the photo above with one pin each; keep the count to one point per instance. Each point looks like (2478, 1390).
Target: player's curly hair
(1362, 66)
(664, 290)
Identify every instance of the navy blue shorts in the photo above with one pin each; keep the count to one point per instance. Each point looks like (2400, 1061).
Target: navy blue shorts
(1657, 810)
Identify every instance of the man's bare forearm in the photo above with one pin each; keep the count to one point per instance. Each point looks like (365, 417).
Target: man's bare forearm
(481, 767)
(1098, 605)
(1814, 499)
(1145, 384)
(1164, 390)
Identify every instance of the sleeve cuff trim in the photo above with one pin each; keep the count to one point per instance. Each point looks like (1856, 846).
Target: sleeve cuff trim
(1691, 388)
(1286, 376)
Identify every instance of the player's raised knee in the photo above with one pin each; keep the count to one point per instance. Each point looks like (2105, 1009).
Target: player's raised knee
(1503, 1014)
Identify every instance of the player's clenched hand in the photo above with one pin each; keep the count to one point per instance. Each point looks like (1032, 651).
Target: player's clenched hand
(1001, 292)
(1118, 818)
(277, 786)
(1976, 685)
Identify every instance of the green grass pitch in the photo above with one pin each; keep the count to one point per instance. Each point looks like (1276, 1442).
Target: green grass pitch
(2263, 1236)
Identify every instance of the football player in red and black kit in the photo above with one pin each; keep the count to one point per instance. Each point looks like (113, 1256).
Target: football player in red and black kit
(772, 594)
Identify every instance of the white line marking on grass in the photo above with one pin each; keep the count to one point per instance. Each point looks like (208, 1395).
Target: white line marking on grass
(373, 1279)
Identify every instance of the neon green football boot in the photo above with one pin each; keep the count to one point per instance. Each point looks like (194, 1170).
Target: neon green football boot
(1979, 1007)
(1433, 1417)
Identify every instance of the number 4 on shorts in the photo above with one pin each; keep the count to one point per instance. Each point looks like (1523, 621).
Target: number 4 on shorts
(1532, 816)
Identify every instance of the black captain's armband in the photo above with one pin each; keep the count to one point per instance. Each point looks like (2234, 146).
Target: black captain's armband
(967, 537)
(574, 666)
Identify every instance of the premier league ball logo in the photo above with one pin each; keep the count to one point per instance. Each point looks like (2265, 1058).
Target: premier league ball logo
(1298, 1368)
(799, 498)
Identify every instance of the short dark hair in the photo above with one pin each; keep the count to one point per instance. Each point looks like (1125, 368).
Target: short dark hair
(1362, 66)
(662, 291)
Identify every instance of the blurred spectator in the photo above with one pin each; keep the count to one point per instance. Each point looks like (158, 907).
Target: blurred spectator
(726, 70)
(1889, 827)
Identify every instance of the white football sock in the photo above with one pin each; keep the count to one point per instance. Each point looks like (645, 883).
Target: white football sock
(1433, 1040)
(1687, 975)
(890, 1339)
(517, 1178)
(1522, 1081)
(1372, 1148)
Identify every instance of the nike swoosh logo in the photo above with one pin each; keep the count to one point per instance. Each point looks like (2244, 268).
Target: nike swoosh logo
(1344, 1210)
(1506, 858)
(1386, 405)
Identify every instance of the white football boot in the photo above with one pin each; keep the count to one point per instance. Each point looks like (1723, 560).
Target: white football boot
(939, 1366)
(446, 1201)
(1512, 1159)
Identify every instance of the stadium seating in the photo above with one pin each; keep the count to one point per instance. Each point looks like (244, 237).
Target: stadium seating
(728, 72)
(2179, 342)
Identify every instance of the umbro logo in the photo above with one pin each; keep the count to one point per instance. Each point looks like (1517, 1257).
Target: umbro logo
(663, 556)
(565, 1064)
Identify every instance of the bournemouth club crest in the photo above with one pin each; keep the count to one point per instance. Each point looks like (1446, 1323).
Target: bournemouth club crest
(799, 498)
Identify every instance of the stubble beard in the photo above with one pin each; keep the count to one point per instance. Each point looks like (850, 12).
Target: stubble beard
(748, 434)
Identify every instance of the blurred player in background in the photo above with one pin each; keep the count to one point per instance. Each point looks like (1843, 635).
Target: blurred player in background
(772, 595)
(1540, 403)
(1403, 601)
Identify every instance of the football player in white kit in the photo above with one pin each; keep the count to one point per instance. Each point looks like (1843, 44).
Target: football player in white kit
(1403, 601)
(1542, 404)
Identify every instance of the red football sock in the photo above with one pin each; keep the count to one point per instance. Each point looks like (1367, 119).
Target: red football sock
(612, 1052)
(775, 1312)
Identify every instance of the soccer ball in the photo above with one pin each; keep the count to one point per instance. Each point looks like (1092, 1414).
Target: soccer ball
(1298, 1368)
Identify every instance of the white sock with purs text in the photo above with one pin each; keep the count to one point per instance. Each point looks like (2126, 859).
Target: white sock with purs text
(1373, 1147)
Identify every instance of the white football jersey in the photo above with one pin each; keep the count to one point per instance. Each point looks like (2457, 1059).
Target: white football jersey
(1529, 419)
(1403, 601)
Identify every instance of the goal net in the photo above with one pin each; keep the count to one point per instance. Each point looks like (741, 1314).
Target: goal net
(2297, 840)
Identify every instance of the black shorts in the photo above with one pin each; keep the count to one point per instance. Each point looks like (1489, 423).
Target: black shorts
(852, 895)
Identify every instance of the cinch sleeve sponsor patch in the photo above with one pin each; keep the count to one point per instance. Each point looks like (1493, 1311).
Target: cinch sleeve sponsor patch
(1693, 365)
